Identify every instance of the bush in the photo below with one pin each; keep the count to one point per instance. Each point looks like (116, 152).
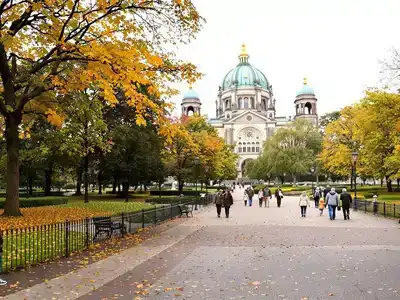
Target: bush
(174, 193)
(34, 194)
(39, 202)
(164, 200)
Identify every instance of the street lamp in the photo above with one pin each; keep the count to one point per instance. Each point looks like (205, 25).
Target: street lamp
(354, 157)
(312, 179)
(196, 162)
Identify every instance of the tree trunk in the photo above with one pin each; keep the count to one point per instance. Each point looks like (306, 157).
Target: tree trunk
(79, 173)
(398, 182)
(118, 187)
(381, 182)
(126, 190)
(99, 181)
(11, 206)
(351, 181)
(30, 188)
(48, 174)
(294, 179)
(180, 186)
(86, 178)
(389, 184)
(114, 188)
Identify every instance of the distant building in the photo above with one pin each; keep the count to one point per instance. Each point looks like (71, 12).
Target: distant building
(245, 109)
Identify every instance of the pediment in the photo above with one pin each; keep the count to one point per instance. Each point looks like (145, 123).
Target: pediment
(249, 118)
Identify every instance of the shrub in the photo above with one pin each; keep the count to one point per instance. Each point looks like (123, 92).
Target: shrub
(39, 202)
(165, 200)
(174, 193)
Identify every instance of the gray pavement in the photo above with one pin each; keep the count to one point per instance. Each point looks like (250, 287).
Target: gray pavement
(258, 253)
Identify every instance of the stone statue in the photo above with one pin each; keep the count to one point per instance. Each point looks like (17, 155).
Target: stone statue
(173, 187)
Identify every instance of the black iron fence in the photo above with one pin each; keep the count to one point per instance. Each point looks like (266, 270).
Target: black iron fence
(32, 245)
(386, 209)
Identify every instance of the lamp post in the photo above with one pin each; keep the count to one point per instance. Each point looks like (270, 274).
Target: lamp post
(354, 157)
(312, 179)
(196, 162)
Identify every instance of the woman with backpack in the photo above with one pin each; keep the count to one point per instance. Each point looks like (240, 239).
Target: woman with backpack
(317, 196)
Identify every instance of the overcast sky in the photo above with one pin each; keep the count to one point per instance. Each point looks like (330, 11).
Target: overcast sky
(337, 45)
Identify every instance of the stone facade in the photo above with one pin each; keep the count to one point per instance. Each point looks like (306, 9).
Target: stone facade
(245, 110)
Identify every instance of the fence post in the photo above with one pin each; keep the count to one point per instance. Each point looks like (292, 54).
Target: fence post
(87, 232)
(142, 218)
(365, 205)
(123, 224)
(355, 204)
(155, 214)
(170, 211)
(384, 209)
(394, 210)
(67, 223)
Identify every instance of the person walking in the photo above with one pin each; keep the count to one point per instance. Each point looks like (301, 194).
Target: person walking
(321, 206)
(316, 196)
(332, 200)
(375, 204)
(227, 202)
(245, 197)
(278, 196)
(251, 195)
(346, 200)
(303, 203)
(267, 195)
(326, 191)
(218, 202)
(260, 197)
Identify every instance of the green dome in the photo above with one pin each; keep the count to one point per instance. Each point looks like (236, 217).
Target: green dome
(191, 94)
(305, 90)
(244, 75)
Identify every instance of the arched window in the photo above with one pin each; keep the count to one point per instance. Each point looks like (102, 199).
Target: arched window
(190, 111)
(257, 149)
(308, 109)
(248, 149)
(264, 103)
(253, 149)
(240, 103)
(227, 106)
(240, 149)
(246, 103)
(244, 149)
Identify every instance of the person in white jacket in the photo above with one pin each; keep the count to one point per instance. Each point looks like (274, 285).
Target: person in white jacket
(303, 203)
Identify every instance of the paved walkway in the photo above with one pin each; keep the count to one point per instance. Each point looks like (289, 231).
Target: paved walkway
(258, 253)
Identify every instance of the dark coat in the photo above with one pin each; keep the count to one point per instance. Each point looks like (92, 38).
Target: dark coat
(228, 199)
(346, 199)
(326, 191)
(277, 194)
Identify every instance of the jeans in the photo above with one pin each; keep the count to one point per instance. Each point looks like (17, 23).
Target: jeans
(332, 212)
(346, 213)
(303, 210)
(260, 201)
(278, 201)
(219, 206)
(250, 202)
(316, 202)
(227, 211)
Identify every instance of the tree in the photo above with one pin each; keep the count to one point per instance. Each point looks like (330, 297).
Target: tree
(328, 118)
(193, 137)
(291, 150)
(53, 48)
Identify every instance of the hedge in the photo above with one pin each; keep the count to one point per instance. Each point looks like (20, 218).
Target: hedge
(34, 194)
(165, 200)
(175, 193)
(38, 202)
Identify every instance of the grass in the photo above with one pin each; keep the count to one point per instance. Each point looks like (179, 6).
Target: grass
(112, 207)
(25, 247)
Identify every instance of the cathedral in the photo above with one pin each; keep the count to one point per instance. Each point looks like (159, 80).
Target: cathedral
(245, 109)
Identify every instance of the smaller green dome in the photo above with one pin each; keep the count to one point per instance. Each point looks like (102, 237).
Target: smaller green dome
(306, 89)
(191, 94)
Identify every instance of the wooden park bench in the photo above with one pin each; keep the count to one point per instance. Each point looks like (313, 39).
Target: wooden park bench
(105, 224)
(185, 209)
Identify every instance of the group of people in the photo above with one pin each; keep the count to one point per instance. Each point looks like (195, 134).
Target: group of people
(264, 196)
(223, 199)
(327, 198)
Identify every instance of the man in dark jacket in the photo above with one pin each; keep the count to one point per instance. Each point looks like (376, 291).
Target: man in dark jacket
(218, 202)
(278, 196)
(326, 191)
(228, 201)
(346, 199)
